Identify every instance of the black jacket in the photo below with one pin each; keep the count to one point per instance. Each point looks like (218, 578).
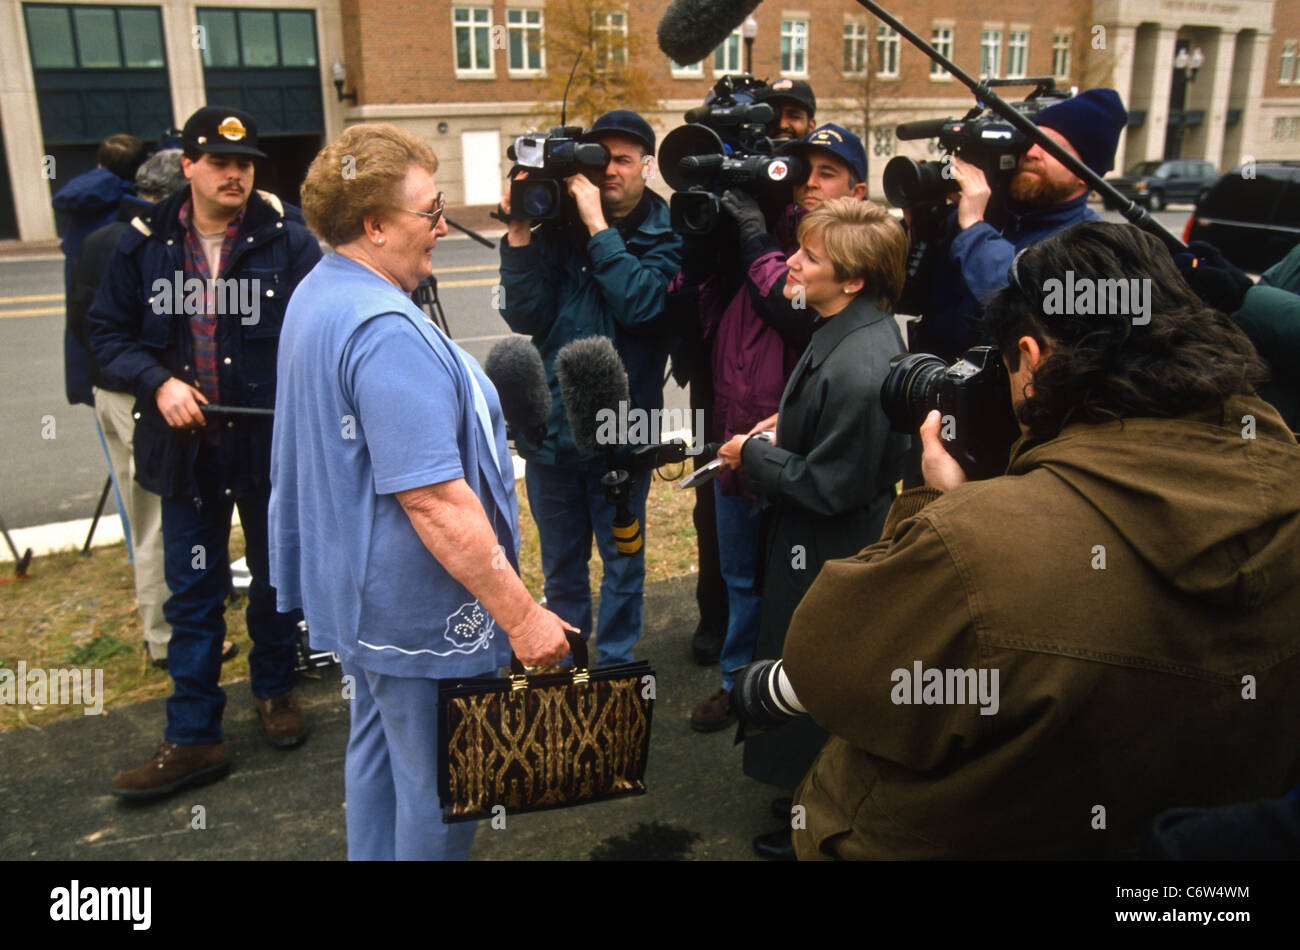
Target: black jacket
(143, 348)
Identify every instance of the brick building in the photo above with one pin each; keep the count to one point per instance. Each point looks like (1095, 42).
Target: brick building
(1213, 79)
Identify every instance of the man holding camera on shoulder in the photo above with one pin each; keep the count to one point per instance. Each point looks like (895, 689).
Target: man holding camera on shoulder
(601, 270)
(1045, 197)
(1036, 665)
(755, 337)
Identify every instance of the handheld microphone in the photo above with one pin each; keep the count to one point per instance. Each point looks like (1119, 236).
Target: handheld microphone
(691, 29)
(593, 381)
(515, 368)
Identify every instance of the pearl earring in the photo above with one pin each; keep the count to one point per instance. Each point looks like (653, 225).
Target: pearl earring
(379, 241)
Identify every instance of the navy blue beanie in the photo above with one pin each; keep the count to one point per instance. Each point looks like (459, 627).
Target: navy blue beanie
(1091, 122)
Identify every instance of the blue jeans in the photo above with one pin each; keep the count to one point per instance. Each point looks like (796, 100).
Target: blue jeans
(569, 507)
(390, 774)
(738, 544)
(196, 561)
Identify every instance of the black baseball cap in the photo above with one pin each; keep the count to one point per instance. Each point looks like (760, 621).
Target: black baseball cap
(795, 90)
(221, 130)
(625, 122)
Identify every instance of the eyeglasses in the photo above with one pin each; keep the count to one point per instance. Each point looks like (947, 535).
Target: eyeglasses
(434, 216)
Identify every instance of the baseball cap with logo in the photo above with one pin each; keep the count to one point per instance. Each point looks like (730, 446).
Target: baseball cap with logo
(840, 142)
(220, 130)
(794, 90)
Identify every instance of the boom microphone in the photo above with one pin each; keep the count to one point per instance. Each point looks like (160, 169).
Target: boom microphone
(592, 378)
(515, 368)
(920, 129)
(691, 29)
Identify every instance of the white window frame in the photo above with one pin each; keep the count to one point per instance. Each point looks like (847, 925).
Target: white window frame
(1288, 72)
(475, 69)
(991, 41)
(1021, 34)
(857, 33)
(688, 72)
(944, 44)
(524, 27)
(887, 50)
(798, 47)
(605, 24)
(735, 42)
(1061, 42)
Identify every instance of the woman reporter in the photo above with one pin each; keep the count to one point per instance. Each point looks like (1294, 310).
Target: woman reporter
(827, 479)
(393, 516)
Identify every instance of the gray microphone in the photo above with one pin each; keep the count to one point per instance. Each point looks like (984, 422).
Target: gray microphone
(691, 29)
(592, 378)
(515, 368)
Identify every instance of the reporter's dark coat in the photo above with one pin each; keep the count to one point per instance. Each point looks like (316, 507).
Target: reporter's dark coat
(826, 485)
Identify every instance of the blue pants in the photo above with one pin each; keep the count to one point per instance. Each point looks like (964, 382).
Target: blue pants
(738, 552)
(196, 562)
(569, 507)
(390, 775)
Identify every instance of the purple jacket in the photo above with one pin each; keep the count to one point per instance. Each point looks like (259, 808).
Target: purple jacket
(755, 337)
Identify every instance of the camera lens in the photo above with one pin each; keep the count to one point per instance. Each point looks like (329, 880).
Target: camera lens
(694, 212)
(911, 390)
(909, 182)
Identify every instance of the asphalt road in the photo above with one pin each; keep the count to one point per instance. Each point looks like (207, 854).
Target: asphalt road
(51, 466)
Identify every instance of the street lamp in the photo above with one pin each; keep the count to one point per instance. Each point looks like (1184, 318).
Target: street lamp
(340, 74)
(1189, 64)
(749, 30)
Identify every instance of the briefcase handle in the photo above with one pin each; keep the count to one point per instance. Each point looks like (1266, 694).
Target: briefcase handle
(519, 678)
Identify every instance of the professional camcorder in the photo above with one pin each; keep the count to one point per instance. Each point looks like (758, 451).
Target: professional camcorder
(725, 145)
(982, 138)
(549, 159)
(972, 395)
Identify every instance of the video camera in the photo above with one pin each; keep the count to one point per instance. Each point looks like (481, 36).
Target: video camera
(549, 159)
(982, 138)
(725, 145)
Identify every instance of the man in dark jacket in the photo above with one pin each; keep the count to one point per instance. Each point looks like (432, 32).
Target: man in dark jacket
(89, 202)
(189, 315)
(604, 275)
(1045, 197)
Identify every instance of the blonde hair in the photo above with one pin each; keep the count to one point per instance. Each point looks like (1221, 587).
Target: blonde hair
(862, 239)
(359, 174)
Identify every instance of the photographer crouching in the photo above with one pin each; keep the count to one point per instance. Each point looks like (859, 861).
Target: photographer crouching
(1037, 664)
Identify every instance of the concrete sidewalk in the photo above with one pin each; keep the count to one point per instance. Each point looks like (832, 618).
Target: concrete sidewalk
(55, 802)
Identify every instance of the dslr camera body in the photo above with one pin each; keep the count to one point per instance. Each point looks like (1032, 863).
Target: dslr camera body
(725, 145)
(982, 138)
(549, 159)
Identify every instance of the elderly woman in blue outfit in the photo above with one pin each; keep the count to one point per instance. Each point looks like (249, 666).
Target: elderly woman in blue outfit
(393, 518)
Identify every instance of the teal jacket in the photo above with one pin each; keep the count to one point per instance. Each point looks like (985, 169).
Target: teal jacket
(1270, 316)
(565, 285)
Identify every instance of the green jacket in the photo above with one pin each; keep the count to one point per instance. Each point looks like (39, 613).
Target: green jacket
(1134, 587)
(1270, 316)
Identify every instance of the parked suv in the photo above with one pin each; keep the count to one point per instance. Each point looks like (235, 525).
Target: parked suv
(1155, 184)
(1254, 220)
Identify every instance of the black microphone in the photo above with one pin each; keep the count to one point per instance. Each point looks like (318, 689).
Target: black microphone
(697, 114)
(691, 29)
(920, 129)
(515, 368)
(593, 384)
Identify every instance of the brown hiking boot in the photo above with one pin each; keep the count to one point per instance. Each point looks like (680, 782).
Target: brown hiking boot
(172, 768)
(714, 713)
(283, 719)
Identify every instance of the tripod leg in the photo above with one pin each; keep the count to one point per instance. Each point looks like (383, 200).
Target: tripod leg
(99, 510)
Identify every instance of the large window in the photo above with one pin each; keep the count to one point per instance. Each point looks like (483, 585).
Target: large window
(1288, 72)
(990, 53)
(253, 39)
(86, 37)
(855, 48)
(611, 39)
(1061, 55)
(727, 57)
(794, 47)
(941, 40)
(526, 53)
(472, 30)
(1017, 54)
(886, 51)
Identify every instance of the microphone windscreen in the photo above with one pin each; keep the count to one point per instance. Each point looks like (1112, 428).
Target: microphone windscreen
(592, 378)
(515, 368)
(691, 29)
